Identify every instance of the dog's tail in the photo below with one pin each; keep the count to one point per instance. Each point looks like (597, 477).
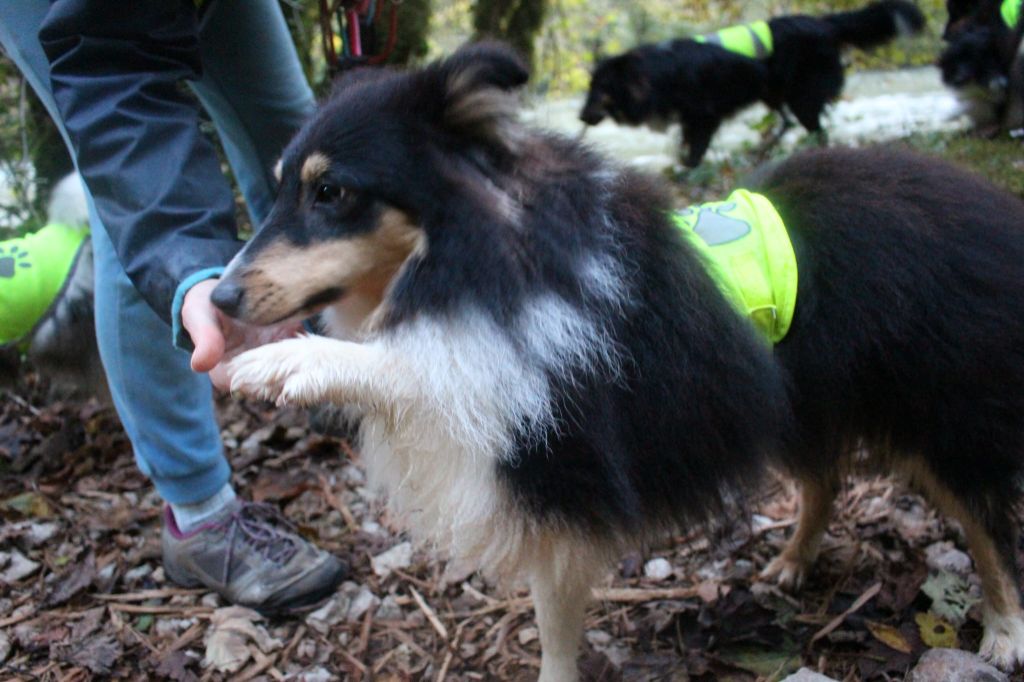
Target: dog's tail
(67, 202)
(877, 23)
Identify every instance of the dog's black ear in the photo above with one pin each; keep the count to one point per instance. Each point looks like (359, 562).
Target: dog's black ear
(477, 83)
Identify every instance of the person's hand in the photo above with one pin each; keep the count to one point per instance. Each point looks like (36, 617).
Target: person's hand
(217, 337)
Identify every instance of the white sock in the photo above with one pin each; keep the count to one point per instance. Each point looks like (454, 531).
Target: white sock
(188, 516)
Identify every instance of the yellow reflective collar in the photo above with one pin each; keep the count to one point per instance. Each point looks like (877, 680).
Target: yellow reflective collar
(749, 255)
(752, 40)
(33, 272)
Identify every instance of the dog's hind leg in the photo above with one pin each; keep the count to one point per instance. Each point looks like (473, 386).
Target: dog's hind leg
(992, 538)
(561, 578)
(791, 567)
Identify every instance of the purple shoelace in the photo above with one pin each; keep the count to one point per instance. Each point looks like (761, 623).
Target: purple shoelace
(257, 523)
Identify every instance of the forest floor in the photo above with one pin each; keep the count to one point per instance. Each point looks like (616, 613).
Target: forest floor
(83, 595)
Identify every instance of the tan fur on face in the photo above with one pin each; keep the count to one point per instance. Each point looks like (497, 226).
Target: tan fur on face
(282, 277)
(315, 165)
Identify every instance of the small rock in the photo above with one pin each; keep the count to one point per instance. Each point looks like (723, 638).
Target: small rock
(353, 474)
(389, 609)
(371, 527)
(317, 674)
(361, 602)
(657, 569)
(807, 675)
(168, 627)
(616, 652)
(210, 599)
(399, 556)
(306, 650)
(742, 569)
(138, 573)
(527, 635)
(329, 614)
(944, 556)
(38, 533)
(942, 665)
(18, 567)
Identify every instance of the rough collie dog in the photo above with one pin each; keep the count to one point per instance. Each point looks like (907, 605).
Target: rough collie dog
(548, 373)
(983, 63)
(699, 82)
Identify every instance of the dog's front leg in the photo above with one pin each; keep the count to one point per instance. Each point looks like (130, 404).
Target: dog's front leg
(312, 370)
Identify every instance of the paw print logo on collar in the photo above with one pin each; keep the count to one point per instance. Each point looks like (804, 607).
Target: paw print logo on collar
(715, 226)
(11, 259)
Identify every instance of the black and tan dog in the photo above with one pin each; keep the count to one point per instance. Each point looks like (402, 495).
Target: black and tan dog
(699, 82)
(548, 375)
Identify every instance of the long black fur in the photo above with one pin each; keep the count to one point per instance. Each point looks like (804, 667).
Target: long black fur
(908, 336)
(701, 84)
(647, 446)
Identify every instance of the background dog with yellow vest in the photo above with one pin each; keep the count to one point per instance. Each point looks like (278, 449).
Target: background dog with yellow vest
(983, 62)
(790, 63)
(549, 372)
(46, 299)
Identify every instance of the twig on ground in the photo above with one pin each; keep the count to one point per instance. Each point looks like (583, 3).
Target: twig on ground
(432, 618)
(838, 620)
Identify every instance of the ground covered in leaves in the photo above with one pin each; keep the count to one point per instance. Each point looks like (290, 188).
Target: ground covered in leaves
(83, 596)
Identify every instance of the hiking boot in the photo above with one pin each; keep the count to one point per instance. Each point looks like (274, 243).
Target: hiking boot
(251, 556)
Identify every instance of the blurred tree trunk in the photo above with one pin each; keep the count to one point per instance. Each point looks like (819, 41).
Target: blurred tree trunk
(517, 22)
(413, 27)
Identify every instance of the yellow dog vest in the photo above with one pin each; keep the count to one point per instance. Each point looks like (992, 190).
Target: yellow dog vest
(1010, 9)
(33, 272)
(752, 40)
(748, 253)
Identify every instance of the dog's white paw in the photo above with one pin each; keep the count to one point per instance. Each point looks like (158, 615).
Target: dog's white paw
(787, 572)
(1003, 642)
(285, 372)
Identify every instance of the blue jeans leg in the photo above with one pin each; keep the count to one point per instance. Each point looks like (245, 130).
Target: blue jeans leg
(255, 90)
(166, 409)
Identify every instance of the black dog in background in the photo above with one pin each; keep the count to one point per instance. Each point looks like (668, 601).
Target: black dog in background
(700, 84)
(983, 64)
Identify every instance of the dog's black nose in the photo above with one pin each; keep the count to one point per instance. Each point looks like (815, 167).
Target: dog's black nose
(228, 297)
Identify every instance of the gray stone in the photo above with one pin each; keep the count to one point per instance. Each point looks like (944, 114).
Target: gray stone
(944, 556)
(943, 665)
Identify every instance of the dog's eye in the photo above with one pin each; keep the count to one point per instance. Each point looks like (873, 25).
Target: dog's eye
(326, 192)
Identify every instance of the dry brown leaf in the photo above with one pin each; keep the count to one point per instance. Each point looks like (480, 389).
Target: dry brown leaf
(231, 630)
(889, 636)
